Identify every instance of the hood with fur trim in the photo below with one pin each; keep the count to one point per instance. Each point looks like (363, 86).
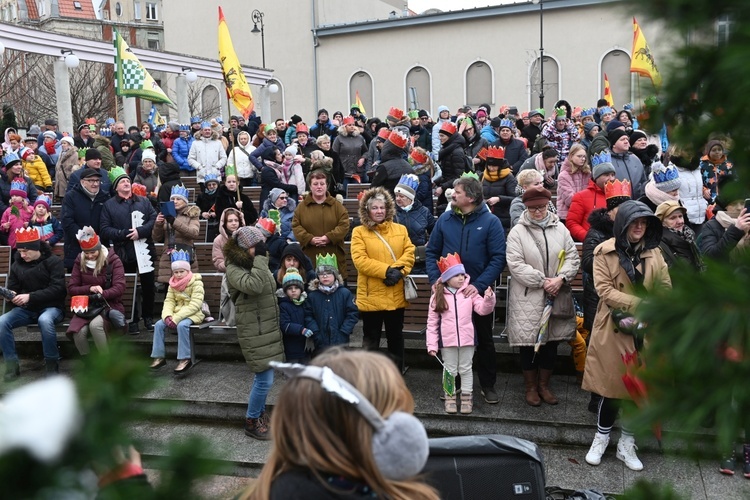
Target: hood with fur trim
(600, 221)
(214, 135)
(192, 211)
(223, 220)
(235, 254)
(390, 206)
(342, 131)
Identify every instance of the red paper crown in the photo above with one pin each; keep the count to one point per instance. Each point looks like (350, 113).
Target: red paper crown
(138, 189)
(398, 139)
(349, 120)
(495, 152)
(267, 224)
(90, 121)
(396, 113)
(79, 303)
(617, 188)
(383, 133)
(482, 154)
(302, 128)
(448, 127)
(419, 157)
(90, 243)
(27, 235)
(450, 260)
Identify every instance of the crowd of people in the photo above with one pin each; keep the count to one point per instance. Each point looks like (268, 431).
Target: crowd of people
(457, 198)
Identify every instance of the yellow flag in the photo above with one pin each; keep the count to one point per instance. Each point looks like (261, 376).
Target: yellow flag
(237, 87)
(641, 59)
(359, 104)
(608, 92)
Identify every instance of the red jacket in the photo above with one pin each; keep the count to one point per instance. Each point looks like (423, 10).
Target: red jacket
(584, 202)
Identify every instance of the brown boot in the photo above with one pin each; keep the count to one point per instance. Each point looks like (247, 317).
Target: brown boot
(256, 428)
(544, 391)
(530, 382)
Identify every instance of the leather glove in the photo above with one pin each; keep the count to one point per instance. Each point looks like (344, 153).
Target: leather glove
(170, 219)
(309, 345)
(307, 332)
(260, 249)
(169, 322)
(392, 276)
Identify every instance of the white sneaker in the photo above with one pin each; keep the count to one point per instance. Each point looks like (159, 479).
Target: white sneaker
(598, 447)
(626, 452)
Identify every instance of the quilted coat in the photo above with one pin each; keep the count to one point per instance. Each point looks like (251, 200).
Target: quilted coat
(252, 288)
(372, 258)
(584, 202)
(532, 256)
(186, 304)
(186, 228)
(81, 282)
(335, 313)
(604, 366)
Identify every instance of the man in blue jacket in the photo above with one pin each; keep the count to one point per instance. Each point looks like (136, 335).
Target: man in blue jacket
(472, 231)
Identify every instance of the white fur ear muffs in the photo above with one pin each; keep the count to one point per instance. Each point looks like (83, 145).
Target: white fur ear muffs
(399, 444)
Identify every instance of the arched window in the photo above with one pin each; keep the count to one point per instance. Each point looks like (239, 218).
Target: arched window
(551, 83)
(361, 82)
(277, 100)
(479, 84)
(616, 64)
(210, 102)
(418, 89)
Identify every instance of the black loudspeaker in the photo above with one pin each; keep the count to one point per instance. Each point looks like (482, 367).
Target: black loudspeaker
(485, 467)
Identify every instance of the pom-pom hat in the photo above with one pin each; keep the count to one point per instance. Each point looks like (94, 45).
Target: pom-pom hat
(292, 277)
(407, 186)
(450, 266)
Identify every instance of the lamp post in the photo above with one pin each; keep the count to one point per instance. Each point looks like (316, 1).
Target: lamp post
(258, 19)
(541, 50)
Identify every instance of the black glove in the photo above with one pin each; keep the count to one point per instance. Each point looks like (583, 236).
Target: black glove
(651, 150)
(260, 249)
(392, 276)
(169, 219)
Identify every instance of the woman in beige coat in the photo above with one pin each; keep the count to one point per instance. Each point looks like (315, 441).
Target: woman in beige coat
(178, 233)
(533, 248)
(631, 258)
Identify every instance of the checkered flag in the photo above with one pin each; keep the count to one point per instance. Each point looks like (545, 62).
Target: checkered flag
(133, 75)
(132, 79)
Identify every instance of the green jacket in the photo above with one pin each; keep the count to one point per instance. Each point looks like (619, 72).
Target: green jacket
(252, 288)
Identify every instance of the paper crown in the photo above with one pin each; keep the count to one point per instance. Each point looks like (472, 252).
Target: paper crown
(396, 114)
(588, 112)
(419, 157)
(471, 175)
(605, 109)
(79, 303)
(326, 260)
(355, 106)
(81, 153)
(43, 198)
(230, 170)
(383, 133)
(617, 188)
(302, 128)
(26, 235)
(577, 111)
(147, 144)
(195, 119)
(561, 112)
(398, 139)
(409, 181)
(506, 123)
(205, 125)
(414, 113)
(212, 178)
(349, 120)
(266, 224)
(109, 122)
(139, 189)
(482, 154)
(105, 132)
(495, 152)
(450, 266)
(88, 239)
(598, 159)
(660, 172)
(90, 121)
(115, 174)
(448, 127)
(627, 107)
(184, 127)
(11, 158)
(275, 216)
(18, 187)
(179, 190)
(179, 255)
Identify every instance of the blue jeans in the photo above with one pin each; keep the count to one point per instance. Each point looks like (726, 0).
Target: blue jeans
(19, 316)
(183, 339)
(261, 385)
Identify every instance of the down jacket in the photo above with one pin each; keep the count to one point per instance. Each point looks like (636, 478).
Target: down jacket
(185, 230)
(567, 186)
(691, 195)
(600, 231)
(252, 289)
(181, 150)
(372, 258)
(43, 279)
(186, 304)
(294, 319)
(418, 222)
(584, 202)
(453, 327)
(38, 173)
(79, 210)
(604, 367)
(392, 167)
(81, 282)
(336, 314)
(532, 257)
(207, 156)
(628, 166)
(350, 148)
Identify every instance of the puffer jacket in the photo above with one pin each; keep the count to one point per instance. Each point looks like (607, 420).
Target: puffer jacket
(252, 289)
(418, 222)
(186, 304)
(453, 327)
(560, 140)
(336, 314)
(568, 185)
(81, 282)
(217, 251)
(294, 319)
(350, 148)
(505, 189)
(43, 279)
(207, 156)
(600, 231)
(691, 194)
(532, 257)
(719, 237)
(584, 202)
(38, 172)
(240, 158)
(372, 258)
(451, 159)
(628, 166)
(515, 152)
(185, 230)
(392, 167)
(180, 152)
(79, 210)
(256, 157)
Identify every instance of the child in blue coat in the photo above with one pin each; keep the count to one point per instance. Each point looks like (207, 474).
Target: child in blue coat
(332, 304)
(49, 227)
(295, 318)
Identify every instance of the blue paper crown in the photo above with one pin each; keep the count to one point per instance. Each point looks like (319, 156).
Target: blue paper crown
(206, 125)
(178, 190)
(159, 129)
(506, 123)
(219, 120)
(664, 174)
(603, 157)
(109, 122)
(211, 177)
(588, 112)
(195, 119)
(409, 180)
(10, 158)
(628, 106)
(185, 127)
(180, 255)
(606, 109)
(105, 132)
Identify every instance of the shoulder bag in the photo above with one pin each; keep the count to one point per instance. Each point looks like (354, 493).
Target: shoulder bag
(410, 288)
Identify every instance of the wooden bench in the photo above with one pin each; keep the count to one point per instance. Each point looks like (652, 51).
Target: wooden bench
(56, 210)
(212, 297)
(204, 258)
(353, 190)
(191, 194)
(253, 192)
(189, 181)
(5, 253)
(415, 316)
(352, 207)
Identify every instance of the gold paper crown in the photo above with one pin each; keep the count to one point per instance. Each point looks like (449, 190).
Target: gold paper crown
(450, 260)
(495, 152)
(617, 188)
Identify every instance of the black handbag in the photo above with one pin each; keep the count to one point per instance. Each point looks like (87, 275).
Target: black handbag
(420, 253)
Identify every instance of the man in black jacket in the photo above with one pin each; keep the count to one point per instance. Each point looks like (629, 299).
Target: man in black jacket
(82, 206)
(37, 285)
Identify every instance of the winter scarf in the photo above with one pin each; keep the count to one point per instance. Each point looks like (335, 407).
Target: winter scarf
(495, 176)
(180, 284)
(328, 290)
(657, 196)
(539, 165)
(630, 259)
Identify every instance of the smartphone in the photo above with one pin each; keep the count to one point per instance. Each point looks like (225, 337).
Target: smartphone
(747, 204)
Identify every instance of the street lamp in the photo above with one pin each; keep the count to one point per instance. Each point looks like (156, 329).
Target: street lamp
(541, 50)
(258, 19)
(71, 60)
(190, 75)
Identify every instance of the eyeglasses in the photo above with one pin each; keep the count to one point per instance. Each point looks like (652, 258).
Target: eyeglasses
(283, 197)
(94, 181)
(537, 209)
(425, 118)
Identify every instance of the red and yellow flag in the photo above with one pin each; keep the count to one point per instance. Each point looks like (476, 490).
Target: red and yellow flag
(641, 59)
(358, 102)
(608, 92)
(238, 89)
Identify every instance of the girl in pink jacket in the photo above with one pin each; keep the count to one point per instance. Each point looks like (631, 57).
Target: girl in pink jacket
(449, 325)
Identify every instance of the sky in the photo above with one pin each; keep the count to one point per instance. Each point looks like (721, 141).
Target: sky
(420, 6)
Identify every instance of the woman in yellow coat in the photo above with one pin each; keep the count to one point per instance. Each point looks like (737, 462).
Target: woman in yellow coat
(380, 285)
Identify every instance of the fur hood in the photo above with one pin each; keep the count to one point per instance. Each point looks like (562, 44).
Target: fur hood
(315, 284)
(390, 206)
(223, 220)
(192, 211)
(235, 254)
(282, 295)
(100, 141)
(291, 204)
(342, 131)
(600, 221)
(326, 164)
(214, 135)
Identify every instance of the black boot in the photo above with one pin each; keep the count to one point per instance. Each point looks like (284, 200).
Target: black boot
(51, 367)
(12, 371)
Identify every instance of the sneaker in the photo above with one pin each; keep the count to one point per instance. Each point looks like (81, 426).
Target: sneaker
(490, 396)
(450, 404)
(467, 403)
(746, 455)
(598, 447)
(727, 465)
(626, 452)
(133, 328)
(256, 428)
(149, 324)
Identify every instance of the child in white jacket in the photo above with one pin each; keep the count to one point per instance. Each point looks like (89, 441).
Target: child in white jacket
(449, 326)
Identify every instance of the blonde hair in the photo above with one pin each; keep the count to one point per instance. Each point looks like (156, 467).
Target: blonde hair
(526, 177)
(100, 262)
(586, 168)
(314, 430)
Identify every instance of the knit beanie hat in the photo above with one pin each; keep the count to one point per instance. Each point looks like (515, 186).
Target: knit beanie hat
(18, 187)
(614, 135)
(292, 150)
(614, 124)
(601, 164)
(666, 178)
(274, 194)
(116, 175)
(637, 134)
(69, 140)
(247, 237)
(93, 154)
(43, 200)
(292, 277)
(407, 186)
(148, 154)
